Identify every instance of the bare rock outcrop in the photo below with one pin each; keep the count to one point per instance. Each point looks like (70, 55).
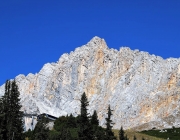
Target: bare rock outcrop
(141, 88)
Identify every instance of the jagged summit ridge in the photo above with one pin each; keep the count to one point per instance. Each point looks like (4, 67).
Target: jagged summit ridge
(140, 87)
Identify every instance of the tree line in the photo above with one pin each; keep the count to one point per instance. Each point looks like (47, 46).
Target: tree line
(82, 127)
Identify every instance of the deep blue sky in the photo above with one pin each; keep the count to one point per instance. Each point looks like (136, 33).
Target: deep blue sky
(34, 32)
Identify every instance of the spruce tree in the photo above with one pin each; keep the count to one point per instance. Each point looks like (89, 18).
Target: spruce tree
(41, 131)
(1, 118)
(65, 134)
(121, 134)
(94, 119)
(85, 130)
(71, 121)
(98, 131)
(16, 128)
(5, 102)
(12, 117)
(68, 135)
(109, 123)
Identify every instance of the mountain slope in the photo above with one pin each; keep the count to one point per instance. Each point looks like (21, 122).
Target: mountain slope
(140, 87)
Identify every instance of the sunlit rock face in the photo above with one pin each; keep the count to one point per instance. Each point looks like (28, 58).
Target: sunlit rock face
(141, 88)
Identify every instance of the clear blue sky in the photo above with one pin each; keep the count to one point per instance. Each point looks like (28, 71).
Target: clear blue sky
(34, 32)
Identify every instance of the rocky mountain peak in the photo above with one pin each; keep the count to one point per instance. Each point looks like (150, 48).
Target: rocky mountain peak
(97, 42)
(142, 89)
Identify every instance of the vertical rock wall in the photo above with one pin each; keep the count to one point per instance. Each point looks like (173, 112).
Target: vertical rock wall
(141, 88)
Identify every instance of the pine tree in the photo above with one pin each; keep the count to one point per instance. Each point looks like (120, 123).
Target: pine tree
(71, 121)
(12, 117)
(121, 134)
(65, 134)
(1, 118)
(5, 111)
(143, 138)
(68, 135)
(94, 119)
(135, 138)
(41, 131)
(109, 123)
(85, 131)
(16, 128)
(98, 131)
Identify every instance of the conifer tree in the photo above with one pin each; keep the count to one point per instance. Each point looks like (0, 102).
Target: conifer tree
(109, 123)
(98, 131)
(85, 131)
(16, 128)
(135, 138)
(5, 111)
(71, 121)
(12, 117)
(121, 134)
(94, 119)
(1, 118)
(41, 131)
(65, 134)
(68, 135)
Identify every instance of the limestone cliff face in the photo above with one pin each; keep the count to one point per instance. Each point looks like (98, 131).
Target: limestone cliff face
(141, 88)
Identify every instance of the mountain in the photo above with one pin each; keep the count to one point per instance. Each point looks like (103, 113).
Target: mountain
(142, 89)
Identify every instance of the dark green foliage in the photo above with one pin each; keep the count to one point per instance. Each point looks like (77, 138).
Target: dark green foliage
(108, 119)
(16, 127)
(5, 101)
(11, 117)
(66, 134)
(172, 134)
(94, 119)
(61, 123)
(99, 133)
(41, 131)
(121, 134)
(71, 125)
(109, 123)
(71, 122)
(84, 103)
(134, 138)
(28, 134)
(66, 126)
(54, 135)
(2, 127)
(126, 138)
(82, 127)
(85, 128)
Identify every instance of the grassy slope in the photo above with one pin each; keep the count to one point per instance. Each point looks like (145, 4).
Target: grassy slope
(172, 134)
(139, 136)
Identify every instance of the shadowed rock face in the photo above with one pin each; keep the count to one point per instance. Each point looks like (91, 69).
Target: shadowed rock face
(141, 88)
